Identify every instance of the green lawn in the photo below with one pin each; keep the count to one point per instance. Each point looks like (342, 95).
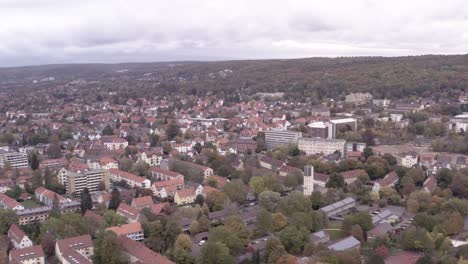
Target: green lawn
(31, 204)
(334, 230)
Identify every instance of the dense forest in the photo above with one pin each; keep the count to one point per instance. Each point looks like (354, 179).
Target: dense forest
(396, 77)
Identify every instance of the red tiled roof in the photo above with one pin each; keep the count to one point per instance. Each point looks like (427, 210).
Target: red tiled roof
(141, 202)
(15, 233)
(157, 208)
(321, 177)
(141, 252)
(169, 173)
(127, 211)
(23, 254)
(127, 175)
(389, 179)
(352, 173)
(406, 257)
(161, 184)
(126, 229)
(187, 192)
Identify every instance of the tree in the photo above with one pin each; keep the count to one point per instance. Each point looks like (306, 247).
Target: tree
(161, 234)
(54, 151)
(294, 202)
(111, 218)
(257, 185)
(14, 192)
(317, 200)
(215, 200)
(279, 221)
(356, 232)
(269, 200)
(36, 180)
(375, 259)
(417, 174)
(274, 250)
(65, 225)
(107, 131)
(264, 221)
(236, 226)
(55, 211)
(154, 140)
(368, 152)
(115, 199)
(172, 130)
(335, 181)
(236, 191)
(453, 224)
(200, 200)
(86, 201)
(7, 218)
(48, 244)
(215, 252)
(293, 239)
(108, 249)
(34, 161)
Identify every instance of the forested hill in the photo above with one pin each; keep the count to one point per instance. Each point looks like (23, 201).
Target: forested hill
(394, 77)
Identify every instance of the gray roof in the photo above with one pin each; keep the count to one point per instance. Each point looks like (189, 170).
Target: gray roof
(381, 216)
(345, 244)
(338, 204)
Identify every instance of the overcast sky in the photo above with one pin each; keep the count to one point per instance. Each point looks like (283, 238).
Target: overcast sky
(65, 31)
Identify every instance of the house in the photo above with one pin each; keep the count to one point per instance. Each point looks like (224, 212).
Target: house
(220, 181)
(426, 160)
(204, 190)
(184, 196)
(430, 184)
(152, 158)
(5, 185)
(284, 170)
(138, 253)
(73, 250)
(28, 255)
(108, 163)
(142, 202)
(164, 189)
(321, 179)
(130, 179)
(319, 237)
(407, 257)
(270, 163)
(388, 181)
(346, 243)
(159, 208)
(133, 231)
(18, 238)
(130, 213)
(6, 202)
(352, 175)
(114, 143)
(409, 159)
(160, 174)
(48, 197)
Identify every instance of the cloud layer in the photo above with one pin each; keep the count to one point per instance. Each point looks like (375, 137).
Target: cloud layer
(57, 31)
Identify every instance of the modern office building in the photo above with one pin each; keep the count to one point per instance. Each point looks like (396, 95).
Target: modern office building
(321, 145)
(343, 124)
(274, 138)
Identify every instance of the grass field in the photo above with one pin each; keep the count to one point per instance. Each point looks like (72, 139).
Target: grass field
(31, 204)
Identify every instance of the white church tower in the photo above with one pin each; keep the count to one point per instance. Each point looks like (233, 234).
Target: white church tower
(308, 185)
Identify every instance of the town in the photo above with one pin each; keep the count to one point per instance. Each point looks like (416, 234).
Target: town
(94, 173)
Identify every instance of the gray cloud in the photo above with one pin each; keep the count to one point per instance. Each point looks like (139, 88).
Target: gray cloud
(56, 31)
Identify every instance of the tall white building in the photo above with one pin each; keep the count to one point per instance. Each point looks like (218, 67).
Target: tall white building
(13, 158)
(308, 185)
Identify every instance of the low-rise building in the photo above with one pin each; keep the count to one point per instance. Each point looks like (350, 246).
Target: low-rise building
(28, 255)
(130, 179)
(184, 196)
(18, 238)
(74, 250)
(130, 213)
(390, 180)
(345, 244)
(133, 231)
(339, 207)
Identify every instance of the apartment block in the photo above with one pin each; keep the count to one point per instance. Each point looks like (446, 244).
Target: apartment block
(321, 145)
(13, 159)
(274, 138)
